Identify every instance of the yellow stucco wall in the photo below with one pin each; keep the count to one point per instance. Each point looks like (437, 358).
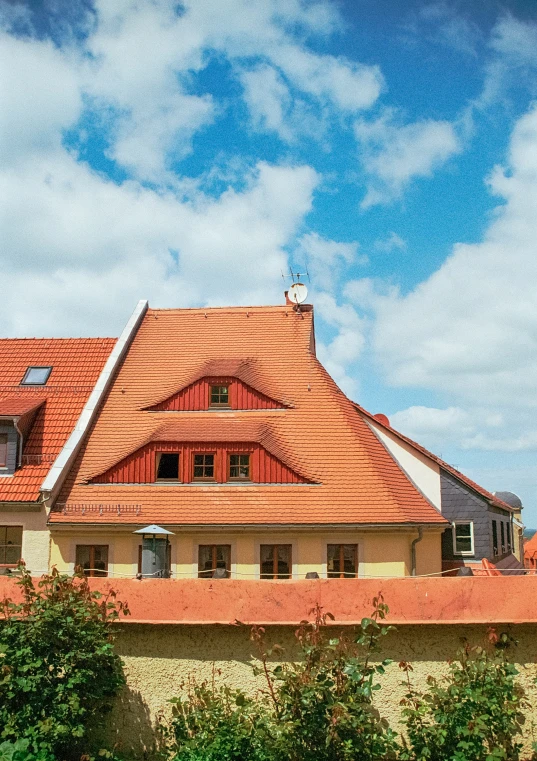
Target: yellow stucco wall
(379, 554)
(35, 535)
(159, 658)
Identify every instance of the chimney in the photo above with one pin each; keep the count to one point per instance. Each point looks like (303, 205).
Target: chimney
(288, 301)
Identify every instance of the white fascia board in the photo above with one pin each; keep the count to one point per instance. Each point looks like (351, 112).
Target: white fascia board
(64, 460)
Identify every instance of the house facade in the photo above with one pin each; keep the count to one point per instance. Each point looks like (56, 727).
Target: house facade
(212, 441)
(222, 428)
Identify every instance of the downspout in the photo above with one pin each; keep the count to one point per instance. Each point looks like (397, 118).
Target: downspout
(413, 549)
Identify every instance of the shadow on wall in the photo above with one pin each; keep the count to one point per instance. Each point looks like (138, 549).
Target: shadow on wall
(130, 729)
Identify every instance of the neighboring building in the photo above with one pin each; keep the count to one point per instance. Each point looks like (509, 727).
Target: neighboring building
(44, 384)
(222, 427)
(530, 552)
(518, 526)
(483, 525)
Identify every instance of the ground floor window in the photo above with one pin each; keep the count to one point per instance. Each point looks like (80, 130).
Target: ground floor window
(211, 557)
(342, 561)
(508, 531)
(463, 538)
(495, 538)
(93, 559)
(10, 545)
(276, 562)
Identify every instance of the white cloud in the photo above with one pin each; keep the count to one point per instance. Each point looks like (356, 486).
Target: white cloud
(472, 327)
(40, 97)
(442, 23)
(144, 56)
(73, 238)
(347, 344)
(513, 59)
(268, 99)
(431, 426)
(393, 155)
(324, 258)
(516, 39)
(391, 242)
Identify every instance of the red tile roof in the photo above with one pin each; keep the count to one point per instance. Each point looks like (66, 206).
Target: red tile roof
(76, 364)
(19, 405)
(321, 434)
(383, 421)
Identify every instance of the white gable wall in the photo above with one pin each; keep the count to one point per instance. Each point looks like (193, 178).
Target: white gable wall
(422, 471)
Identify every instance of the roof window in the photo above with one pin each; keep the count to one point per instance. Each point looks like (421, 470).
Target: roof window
(36, 376)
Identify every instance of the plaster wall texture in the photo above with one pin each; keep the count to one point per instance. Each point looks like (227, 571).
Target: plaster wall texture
(420, 469)
(379, 553)
(159, 660)
(35, 535)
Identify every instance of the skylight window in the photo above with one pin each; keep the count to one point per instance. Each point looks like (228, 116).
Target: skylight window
(36, 376)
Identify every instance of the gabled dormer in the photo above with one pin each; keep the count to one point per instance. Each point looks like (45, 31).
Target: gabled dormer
(216, 393)
(213, 451)
(222, 385)
(17, 416)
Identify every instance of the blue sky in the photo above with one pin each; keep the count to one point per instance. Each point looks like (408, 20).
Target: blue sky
(190, 152)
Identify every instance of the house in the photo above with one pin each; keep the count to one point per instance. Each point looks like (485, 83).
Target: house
(44, 385)
(223, 446)
(483, 525)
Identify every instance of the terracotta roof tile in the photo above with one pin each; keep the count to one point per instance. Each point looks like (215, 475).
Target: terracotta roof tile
(19, 405)
(76, 364)
(321, 434)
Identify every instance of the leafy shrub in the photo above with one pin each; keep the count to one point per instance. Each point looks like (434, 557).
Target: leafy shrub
(323, 703)
(58, 669)
(19, 751)
(474, 714)
(217, 724)
(319, 709)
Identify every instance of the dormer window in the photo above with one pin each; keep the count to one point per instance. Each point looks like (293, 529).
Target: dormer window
(219, 396)
(167, 466)
(203, 467)
(239, 467)
(36, 376)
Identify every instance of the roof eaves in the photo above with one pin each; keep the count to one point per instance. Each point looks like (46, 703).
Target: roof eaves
(61, 465)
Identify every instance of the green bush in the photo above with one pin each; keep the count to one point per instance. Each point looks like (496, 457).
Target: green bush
(58, 669)
(217, 724)
(323, 704)
(319, 709)
(474, 714)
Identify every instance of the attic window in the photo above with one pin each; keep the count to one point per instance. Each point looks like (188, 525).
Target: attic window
(36, 376)
(219, 396)
(167, 466)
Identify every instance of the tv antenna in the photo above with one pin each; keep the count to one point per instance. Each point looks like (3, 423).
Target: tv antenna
(297, 293)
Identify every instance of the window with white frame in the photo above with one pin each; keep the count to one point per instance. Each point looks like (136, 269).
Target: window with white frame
(463, 538)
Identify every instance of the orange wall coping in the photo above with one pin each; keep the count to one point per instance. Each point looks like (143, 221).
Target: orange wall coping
(469, 600)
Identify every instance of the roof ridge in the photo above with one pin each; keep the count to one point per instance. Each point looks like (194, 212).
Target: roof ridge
(58, 338)
(262, 307)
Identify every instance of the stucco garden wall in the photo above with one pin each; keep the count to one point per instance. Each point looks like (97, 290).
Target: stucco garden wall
(160, 658)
